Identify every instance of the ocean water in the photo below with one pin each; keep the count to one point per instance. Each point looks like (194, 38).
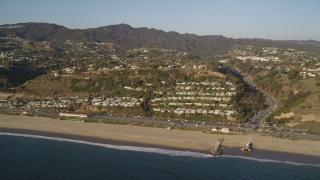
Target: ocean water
(39, 157)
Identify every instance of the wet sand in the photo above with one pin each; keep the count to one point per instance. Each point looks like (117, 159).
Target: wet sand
(265, 147)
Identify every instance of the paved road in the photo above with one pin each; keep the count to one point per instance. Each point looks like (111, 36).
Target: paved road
(270, 102)
(174, 123)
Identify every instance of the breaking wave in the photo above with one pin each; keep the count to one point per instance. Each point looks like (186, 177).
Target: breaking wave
(118, 147)
(271, 161)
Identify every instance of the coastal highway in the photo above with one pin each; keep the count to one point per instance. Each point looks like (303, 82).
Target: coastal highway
(118, 119)
(173, 123)
(299, 135)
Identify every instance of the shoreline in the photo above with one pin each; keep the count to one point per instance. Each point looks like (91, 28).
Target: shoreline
(91, 139)
(181, 140)
(234, 152)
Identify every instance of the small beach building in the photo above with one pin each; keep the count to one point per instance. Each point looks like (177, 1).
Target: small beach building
(225, 130)
(73, 115)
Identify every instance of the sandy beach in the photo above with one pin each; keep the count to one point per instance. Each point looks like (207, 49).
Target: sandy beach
(180, 139)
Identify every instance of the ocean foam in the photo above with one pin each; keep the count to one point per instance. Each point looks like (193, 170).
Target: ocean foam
(156, 150)
(271, 161)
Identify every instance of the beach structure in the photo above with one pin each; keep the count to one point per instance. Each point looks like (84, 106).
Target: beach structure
(225, 130)
(73, 115)
(217, 149)
(247, 147)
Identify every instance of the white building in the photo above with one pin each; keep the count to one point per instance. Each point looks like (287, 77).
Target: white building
(225, 130)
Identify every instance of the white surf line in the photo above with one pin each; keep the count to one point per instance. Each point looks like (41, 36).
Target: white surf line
(118, 147)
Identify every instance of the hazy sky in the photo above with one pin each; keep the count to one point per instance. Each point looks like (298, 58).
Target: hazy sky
(270, 19)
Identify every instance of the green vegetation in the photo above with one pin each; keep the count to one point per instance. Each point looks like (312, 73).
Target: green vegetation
(91, 121)
(310, 126)
(116, 122)
(290, 76)
(293, 101)
(248, 101)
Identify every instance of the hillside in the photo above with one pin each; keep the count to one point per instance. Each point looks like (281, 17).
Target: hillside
(120, 70)
(291, 77)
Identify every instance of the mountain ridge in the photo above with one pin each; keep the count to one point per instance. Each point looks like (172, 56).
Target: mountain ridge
(129, 37)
